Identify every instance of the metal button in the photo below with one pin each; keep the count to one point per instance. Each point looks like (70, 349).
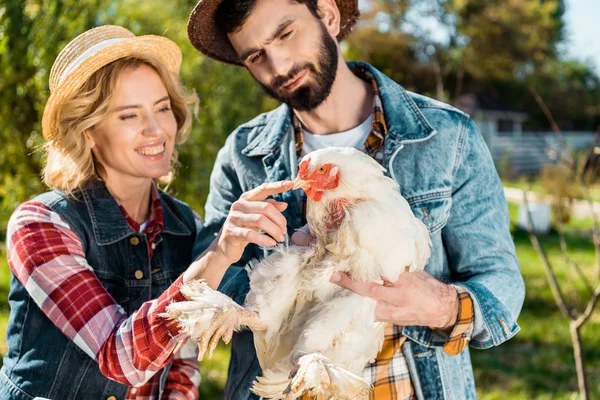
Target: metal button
(134, 241)
(111, 398)
(139, 274)
(133, 390)
(153, 246)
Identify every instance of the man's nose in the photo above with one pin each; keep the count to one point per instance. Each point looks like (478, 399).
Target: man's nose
(281, 62)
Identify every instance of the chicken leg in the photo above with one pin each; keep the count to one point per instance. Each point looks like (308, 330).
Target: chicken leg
(209, 315)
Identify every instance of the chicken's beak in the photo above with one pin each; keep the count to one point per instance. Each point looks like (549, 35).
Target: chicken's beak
(300, 184)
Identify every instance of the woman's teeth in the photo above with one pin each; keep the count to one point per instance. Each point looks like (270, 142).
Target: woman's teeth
(151, 151)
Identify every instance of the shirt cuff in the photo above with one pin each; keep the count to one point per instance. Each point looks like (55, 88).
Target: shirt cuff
(171, 295)
(463, 329)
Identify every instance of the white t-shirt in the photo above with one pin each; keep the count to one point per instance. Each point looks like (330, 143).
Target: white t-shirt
(354, 137)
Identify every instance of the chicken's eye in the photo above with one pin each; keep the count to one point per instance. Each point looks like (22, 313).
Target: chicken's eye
(322, 170)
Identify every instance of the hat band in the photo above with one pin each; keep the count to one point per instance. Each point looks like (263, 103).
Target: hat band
(88, 53)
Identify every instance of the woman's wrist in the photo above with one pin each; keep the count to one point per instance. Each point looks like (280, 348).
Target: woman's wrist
(210, 266)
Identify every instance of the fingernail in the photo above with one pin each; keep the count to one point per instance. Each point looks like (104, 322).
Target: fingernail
(336, 278)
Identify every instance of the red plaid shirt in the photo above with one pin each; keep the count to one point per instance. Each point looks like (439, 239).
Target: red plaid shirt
(155, 222)
(47, 257)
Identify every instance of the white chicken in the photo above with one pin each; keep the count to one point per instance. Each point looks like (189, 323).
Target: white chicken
(312, 336)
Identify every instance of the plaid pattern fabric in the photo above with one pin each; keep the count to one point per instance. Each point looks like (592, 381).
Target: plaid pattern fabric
(463, 329)
(155, 222)
(47, 257)
(389, 373)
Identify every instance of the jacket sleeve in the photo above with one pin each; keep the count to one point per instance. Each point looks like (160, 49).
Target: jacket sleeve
(478, 243)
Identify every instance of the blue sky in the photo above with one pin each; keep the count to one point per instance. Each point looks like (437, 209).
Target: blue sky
(583, 34)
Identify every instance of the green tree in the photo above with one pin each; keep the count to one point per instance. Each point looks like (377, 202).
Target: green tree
(31, 34)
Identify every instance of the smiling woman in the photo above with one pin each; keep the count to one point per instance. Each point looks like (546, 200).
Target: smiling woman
(148, 94)
(95, 262)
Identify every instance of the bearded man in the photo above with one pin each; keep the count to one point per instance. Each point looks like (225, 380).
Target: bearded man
(471, 292)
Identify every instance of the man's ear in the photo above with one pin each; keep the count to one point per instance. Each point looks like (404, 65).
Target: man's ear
(330, 16)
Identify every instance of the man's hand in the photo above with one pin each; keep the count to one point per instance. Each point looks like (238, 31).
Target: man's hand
(415, 299)
(251, 218)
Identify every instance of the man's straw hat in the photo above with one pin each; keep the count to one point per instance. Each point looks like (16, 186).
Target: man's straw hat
(206, 37)
(92, 50)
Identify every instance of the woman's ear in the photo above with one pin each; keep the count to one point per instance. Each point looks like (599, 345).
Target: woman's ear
(330, 16)
(89, 138)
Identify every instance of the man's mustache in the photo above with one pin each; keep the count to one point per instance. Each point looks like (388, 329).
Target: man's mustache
(281, 80)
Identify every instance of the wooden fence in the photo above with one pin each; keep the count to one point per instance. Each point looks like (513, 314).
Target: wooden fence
(527, 152)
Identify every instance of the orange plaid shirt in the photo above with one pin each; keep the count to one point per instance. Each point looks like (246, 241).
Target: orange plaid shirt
(389, 373)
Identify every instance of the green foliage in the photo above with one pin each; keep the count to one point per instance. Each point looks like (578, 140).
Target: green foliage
(31, 34)
(494, 47)
(505, 36)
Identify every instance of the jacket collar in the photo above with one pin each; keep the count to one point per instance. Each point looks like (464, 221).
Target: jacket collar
(109, 224)
(405, 121)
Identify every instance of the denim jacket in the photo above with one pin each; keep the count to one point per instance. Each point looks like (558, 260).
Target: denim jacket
(445, 171)
(41, 360)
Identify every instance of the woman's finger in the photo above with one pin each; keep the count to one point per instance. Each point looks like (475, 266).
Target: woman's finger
(261, 208)
(261, 223)
(251, 236)
(267, 189)
(279, 205)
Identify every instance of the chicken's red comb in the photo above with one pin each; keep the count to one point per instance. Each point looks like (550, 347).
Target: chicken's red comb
(303, 167)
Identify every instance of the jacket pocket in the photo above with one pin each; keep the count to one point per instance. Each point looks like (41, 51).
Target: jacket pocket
(433, 210)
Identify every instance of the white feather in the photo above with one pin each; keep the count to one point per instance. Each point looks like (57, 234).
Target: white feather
(324, 333)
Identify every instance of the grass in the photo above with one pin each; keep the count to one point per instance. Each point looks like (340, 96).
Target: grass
(537, 364)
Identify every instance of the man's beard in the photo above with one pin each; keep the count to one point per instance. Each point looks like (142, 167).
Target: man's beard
(309, 95)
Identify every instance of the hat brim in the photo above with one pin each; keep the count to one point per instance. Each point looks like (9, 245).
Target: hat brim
(165, 50)
(206, 37)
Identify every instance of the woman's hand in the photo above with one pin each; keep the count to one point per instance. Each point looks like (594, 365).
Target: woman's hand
(251, 219)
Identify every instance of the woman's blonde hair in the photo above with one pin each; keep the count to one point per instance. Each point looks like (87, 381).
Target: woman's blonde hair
(69, 159)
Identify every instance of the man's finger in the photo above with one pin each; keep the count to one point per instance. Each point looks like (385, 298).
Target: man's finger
(268, 189)
(367, 289)
(386, 312)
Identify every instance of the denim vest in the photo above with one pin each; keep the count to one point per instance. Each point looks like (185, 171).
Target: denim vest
(445, 171)
(41, 360)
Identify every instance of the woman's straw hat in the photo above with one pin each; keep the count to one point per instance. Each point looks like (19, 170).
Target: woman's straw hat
(92, 50)
(206, 36)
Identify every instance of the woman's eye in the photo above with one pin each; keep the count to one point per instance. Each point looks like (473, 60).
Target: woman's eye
(128, 116)
(286, 35)
(165, 109)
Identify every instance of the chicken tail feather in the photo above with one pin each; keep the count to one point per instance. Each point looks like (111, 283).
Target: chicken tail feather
(272, 384)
